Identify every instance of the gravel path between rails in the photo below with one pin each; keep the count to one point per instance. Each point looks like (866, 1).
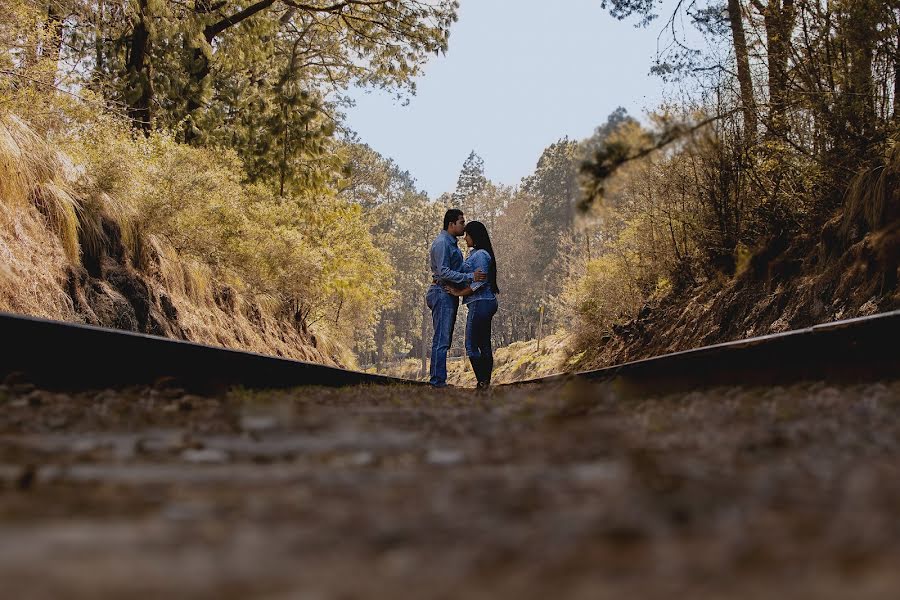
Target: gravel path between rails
(573, 490)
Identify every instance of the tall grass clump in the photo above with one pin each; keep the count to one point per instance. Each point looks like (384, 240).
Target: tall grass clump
(873, 196)
(34, 173)
(38, 223)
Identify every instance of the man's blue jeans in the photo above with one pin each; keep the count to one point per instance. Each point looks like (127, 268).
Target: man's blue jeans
(443, 315)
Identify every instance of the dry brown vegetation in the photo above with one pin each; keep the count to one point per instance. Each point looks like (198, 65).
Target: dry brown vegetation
(76, 248)
(766, 199)
(34, 246)
(133, 199)
(847, 268)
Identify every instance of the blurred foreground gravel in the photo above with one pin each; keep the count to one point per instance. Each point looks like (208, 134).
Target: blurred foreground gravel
(572, 490)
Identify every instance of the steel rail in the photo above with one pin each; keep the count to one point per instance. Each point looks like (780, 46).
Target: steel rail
(60, 355)
(851, 350)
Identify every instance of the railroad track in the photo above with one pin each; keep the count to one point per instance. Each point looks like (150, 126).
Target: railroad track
(388, 491)
(850, 350)
(69, 356)
(59, 355)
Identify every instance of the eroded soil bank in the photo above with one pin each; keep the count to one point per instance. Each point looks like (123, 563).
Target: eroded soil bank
(576, 491)
(841, 270)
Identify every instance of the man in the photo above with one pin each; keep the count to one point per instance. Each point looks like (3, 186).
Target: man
(446, 262)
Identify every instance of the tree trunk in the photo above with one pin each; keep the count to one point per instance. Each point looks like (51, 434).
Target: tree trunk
(897, 86)
(139, 95)
(861, 36)
(98, 40)
(745, 79)
(53, 49)
(779, 22)
(896, 115)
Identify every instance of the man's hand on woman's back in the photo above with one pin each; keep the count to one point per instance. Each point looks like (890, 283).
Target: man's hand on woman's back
(480, 275)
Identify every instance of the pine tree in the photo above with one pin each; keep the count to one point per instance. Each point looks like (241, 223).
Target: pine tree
(469, 186)
(554, 188)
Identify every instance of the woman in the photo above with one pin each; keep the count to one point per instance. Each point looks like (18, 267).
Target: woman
(480, 297)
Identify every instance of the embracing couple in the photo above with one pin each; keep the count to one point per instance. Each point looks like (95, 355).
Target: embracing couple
(475, 281)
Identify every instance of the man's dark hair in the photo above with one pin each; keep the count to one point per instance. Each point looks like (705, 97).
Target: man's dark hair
(451, 216)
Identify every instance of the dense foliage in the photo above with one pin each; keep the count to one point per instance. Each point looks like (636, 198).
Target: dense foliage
(213, 129)
(788, 102)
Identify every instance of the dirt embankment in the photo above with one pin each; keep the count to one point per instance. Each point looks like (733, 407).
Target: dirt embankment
(848, 268)
(107, 289)
(68, 253)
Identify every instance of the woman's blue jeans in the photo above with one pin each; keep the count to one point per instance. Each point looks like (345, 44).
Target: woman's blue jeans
(478, 338)
(443, 316)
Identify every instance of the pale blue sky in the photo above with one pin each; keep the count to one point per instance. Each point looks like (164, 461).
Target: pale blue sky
(519, 75)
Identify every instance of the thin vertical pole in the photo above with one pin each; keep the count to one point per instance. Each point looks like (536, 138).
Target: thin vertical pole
(540, 327)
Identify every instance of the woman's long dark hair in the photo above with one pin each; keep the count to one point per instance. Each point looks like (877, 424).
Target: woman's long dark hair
(482, 240)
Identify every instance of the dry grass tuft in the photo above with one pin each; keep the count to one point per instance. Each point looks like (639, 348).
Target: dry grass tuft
(32, 173)
(32, 266)
(14, 174)
(38, 225)
(60, 208)
(871, 197)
